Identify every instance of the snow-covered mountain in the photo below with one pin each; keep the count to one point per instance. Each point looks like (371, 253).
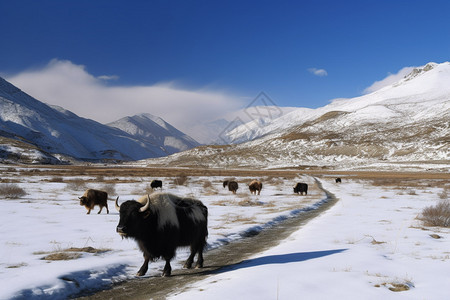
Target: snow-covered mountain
(420, 98)
(227, 130)
(48, 133)
(408, 121)
(154, 130)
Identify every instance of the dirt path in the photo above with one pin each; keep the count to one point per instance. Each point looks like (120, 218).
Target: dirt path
(215, 259)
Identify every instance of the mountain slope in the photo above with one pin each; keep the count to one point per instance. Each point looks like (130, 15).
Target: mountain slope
(58, 131)
(155, 131)
(403, 123)
(417, 96)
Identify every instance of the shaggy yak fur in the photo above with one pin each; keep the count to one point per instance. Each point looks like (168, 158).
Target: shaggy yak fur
(92, 197)
(232, 186)
(162, 222)
(255, 186)
(301, 188)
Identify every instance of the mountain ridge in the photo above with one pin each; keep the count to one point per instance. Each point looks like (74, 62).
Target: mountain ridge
(57, 132)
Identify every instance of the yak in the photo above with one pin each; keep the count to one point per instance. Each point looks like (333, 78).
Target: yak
(254, 186)
(338, 180)
(232, 185)
(93, 197)
(156, 184)
(301, 188)
(162, 222)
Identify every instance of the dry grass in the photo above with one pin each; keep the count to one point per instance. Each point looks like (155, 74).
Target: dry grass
(76, 185)
(443, 195)
(11, 191)
(250, 202)
(438, 215)
(109, 188)
(396, 287)
(70, 253)
(180, 180)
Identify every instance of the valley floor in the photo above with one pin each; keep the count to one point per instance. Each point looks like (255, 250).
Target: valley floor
(369, 243)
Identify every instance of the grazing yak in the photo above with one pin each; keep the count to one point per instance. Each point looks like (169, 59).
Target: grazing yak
(301, 188)
(338, 180)
(254, 186)
(93, 197)
(232, 186)
(156, 184)
(162, 222)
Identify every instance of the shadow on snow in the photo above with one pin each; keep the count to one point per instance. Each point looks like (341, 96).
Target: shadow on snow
(278, 259)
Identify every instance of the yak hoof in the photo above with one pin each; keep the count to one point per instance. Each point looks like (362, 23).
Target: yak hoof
(166, 274)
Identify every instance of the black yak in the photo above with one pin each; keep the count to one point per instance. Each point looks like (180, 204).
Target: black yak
(232, 185)
(156, 184)
(301, 188)
(162, 222)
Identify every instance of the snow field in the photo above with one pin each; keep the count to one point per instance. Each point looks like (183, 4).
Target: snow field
(367, 244)
(49, 220)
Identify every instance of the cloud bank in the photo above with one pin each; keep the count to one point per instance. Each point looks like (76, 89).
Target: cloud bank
(318, 72)
(70, 86)
(390, 79)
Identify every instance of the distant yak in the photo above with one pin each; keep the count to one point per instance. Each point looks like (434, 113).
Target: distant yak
(338, 180)
(93, 197)
(232, 185)
(156, 184)
(301, 188)
(255, 186)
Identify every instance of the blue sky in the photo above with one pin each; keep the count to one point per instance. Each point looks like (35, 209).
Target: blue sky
(300, 53)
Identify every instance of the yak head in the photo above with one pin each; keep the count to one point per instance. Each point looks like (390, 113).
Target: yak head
(83, 201)
(131, 215)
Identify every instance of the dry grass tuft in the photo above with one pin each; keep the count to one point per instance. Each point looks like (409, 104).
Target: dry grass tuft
(70, 253)
(109, 188)
(11, 191)
(56, 179)
(443, 195)
(397, 286)
(76, 185)
(249, 202)
(438, 215)
(180, 180)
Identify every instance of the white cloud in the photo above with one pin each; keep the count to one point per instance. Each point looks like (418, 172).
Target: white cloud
(70, 86)
(108, 77)
(318, 72)
(390, 79)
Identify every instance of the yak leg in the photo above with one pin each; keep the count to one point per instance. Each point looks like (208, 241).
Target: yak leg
(101, 207)
(144, 266)
(89, 211)
(199, 263)
(167, 268)
(107, 210)
(190, 260)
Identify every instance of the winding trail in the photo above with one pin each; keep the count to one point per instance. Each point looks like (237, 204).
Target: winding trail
(215, 259)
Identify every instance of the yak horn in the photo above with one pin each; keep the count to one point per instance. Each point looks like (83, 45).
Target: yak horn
(117, 204)
(144, 208)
